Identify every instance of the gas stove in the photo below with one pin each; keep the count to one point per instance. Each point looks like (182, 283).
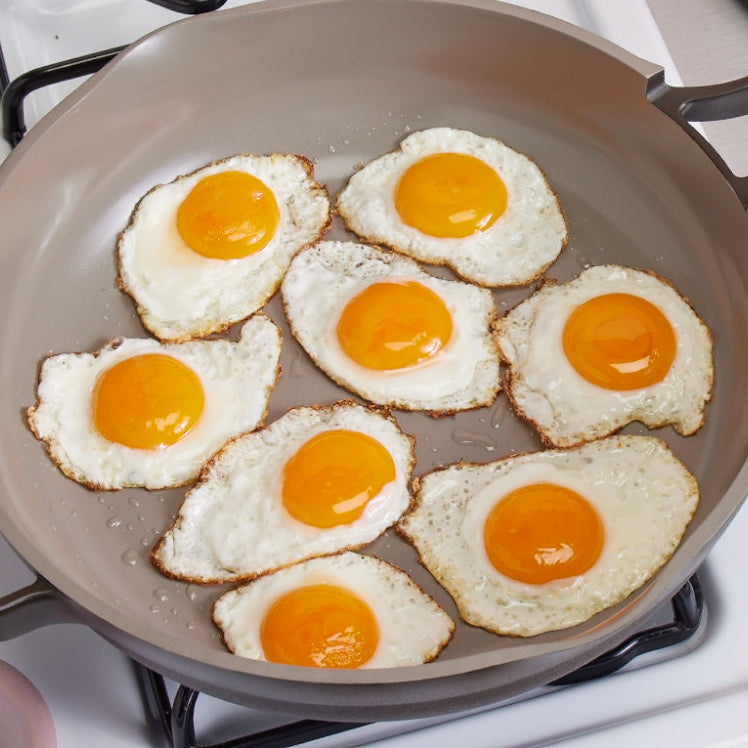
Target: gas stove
(690, 690)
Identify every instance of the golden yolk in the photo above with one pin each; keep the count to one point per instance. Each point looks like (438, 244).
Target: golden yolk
(393, 324)
(228, 215)
(319, 626)
(450, 195)
(619, 341)
(542, 532)
(147, 401)
(333, 476)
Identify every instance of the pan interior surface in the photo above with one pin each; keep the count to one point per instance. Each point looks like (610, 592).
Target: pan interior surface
(342, 82)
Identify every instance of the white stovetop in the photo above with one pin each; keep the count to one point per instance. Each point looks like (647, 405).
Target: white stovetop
(698, 700)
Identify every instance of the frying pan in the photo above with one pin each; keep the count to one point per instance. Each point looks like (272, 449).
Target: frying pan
(342, 81)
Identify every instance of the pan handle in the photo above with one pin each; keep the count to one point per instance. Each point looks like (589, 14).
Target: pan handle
(32, 607)
(704, 104)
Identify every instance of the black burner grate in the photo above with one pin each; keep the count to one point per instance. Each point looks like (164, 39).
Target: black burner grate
(14, 92)
(174, 720)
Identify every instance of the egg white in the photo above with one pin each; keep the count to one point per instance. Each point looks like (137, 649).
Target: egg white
(413, 628)
(643, 494)
(464, 374)
(180, 294)
(516, 249)
(232, 525)
(567, 409)
(237, 379)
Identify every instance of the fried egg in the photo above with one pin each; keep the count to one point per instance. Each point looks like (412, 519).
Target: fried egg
(451, 197)
(143, 413)
(543, 541)
(612, 346)
(316, 481)
(343, 611)
(380, 326)
(210, 248)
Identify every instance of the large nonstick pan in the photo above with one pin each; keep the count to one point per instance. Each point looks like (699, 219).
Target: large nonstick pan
(342, 81)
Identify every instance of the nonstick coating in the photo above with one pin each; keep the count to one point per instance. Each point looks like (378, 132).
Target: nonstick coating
(341, 82)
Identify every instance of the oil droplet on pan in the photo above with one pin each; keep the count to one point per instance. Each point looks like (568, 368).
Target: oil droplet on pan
(130, 558)
(473, 439)
(497, 416)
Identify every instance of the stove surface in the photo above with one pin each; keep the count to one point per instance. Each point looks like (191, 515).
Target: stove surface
(694, 700)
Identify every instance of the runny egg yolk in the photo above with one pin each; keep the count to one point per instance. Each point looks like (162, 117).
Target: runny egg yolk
(450, 195)
(394, 324)
(321, 625)
(542, 532)
(228, 215)
(332, 477)
(619, 341)
(147, 401)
